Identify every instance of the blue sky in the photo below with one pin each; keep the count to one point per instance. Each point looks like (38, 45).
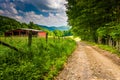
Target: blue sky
(44, 12)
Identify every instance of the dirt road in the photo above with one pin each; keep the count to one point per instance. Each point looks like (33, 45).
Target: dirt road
(89, 63)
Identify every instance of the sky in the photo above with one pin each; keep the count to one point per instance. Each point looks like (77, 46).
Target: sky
(43, 12)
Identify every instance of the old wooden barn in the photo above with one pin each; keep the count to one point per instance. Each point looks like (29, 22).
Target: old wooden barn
(25, 32)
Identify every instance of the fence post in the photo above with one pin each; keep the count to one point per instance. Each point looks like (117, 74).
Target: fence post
(29, 38)
(30, 34)
(46, 37)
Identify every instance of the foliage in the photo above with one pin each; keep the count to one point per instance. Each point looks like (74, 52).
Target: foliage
(102, 31)
(8, 24)
(58, 33)
(41, 62)
(67, 33)
(111, 29)
(115, 32)
(95, 21)
(88, 16)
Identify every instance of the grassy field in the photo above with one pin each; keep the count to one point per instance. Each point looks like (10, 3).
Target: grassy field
(42, 61)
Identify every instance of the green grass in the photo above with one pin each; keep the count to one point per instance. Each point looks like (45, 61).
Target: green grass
(106, 47)
(109, 48)
(42, 61)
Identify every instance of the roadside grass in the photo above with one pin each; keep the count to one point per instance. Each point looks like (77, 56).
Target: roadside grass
(106, 47)
(42, 61)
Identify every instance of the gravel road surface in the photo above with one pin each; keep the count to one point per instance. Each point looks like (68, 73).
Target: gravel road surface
(90, 63)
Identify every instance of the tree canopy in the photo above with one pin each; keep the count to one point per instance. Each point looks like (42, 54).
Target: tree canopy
(89, 17)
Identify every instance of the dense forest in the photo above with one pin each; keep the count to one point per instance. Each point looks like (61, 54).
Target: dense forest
(96, 21)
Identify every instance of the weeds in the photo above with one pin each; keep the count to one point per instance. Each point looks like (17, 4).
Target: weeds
(42, 62)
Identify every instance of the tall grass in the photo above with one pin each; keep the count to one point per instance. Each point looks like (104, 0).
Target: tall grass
(40, 62)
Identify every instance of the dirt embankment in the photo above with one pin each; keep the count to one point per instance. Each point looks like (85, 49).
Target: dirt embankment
(90, 63)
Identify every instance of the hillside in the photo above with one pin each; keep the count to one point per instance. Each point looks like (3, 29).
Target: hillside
(52, 28)
(7, 23)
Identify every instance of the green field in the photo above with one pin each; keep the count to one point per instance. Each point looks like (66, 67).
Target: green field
(42, 61)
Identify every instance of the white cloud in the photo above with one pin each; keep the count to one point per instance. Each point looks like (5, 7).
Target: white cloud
(56, 6)
(51, 20)
(9, 7)
(18, 17)
(13, 10)
(50, 5)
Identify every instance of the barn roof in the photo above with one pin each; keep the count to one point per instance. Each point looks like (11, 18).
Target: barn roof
(26, 29)
(30, 29)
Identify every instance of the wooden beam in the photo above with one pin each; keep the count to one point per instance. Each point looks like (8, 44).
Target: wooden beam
(11, 47)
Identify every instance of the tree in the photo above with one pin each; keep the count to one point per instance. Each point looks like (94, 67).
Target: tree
(86, 16)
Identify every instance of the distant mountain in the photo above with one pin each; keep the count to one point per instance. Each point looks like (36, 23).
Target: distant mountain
(52, 28)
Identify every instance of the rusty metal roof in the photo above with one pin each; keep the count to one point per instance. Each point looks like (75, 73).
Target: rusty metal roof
(29, 29)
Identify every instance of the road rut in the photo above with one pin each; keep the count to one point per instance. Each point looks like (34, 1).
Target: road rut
(86, 63)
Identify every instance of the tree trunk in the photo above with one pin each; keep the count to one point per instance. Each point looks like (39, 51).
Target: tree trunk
(109, 41)
(99, 40)
(118, 45)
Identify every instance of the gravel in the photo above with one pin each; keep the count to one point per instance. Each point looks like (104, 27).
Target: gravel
(88, 63)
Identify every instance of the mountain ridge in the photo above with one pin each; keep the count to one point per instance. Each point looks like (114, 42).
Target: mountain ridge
(52, 28)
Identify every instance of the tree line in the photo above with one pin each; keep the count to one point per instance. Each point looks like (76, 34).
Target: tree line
(95, 20)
